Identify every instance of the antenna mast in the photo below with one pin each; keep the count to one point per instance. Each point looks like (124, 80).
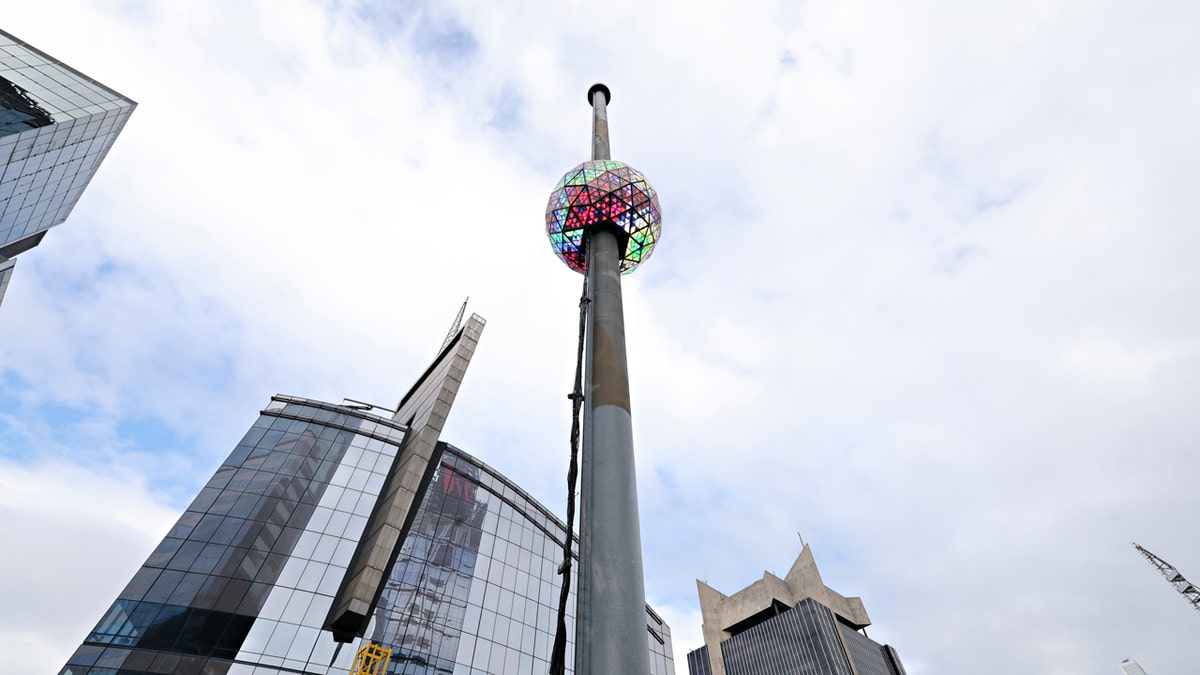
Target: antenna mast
(455, 326)
(1185, 587)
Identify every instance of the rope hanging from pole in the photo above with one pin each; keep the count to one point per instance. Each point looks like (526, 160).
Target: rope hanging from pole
(558, 657)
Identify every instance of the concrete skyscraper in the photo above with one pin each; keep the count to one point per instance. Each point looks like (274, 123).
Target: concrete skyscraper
(791, 626)
(56, 126)
(335, 539)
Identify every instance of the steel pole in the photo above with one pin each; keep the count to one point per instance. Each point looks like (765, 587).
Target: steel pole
(610, 623)
(598, 97)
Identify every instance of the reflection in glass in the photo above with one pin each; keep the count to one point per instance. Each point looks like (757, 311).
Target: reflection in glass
(245, 578)
(18, 111)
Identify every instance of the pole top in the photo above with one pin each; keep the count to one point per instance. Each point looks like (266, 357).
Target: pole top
(598, 87)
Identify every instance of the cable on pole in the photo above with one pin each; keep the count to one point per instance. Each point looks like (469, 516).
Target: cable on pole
(558, 657)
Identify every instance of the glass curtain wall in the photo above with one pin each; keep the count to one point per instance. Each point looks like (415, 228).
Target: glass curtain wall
(56, 126)
(243, 582)
(475, 589)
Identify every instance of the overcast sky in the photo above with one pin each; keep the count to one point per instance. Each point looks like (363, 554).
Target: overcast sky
(926, 293)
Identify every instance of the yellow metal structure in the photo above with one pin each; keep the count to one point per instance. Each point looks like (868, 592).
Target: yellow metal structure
(372, 659)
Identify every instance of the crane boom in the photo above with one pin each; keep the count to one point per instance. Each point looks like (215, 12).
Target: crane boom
(1185, 587)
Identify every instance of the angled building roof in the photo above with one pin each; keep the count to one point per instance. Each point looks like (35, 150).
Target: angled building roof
(726, 617)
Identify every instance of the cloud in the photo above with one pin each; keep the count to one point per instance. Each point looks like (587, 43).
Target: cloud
(1108, 361)
(921, 293)
(78, 534)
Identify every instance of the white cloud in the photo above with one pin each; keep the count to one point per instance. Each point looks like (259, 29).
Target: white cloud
(922, 291)
(1107, 361)
(74, 537)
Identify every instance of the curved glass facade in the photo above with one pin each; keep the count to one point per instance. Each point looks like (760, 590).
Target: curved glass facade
(243, 582)
(475, 589)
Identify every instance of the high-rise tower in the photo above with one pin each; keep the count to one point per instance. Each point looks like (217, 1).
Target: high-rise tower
(791, 626)
(603, 220)
(56, 126)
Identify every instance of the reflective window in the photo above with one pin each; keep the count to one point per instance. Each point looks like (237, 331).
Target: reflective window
(475, 588)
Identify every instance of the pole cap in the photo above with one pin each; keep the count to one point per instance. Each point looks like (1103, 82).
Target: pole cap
(598, 87)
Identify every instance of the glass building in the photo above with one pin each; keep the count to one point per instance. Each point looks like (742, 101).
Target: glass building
(56, 126)
(790, 626)
(252, 578)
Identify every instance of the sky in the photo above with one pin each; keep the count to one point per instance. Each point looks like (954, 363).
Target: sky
(925, 294)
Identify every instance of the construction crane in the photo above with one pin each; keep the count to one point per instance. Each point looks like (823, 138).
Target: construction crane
(1185, 587)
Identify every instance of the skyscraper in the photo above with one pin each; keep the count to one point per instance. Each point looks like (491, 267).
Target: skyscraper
(56, 126)
(795, 625)
(332, 531)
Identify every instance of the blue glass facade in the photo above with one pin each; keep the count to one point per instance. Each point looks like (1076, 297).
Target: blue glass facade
(56, 126)
(245, 579)
(245, 572)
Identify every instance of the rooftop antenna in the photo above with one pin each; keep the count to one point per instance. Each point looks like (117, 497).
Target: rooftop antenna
(455, 326)
(355, 404)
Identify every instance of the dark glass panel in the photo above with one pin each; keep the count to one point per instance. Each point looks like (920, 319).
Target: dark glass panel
(270, 569)
(193, 665)
(164, 586)
(259, 481)
(232, 594)
(187, 589)
(171, 628)
(252, 604)
(111, 658)
(206, 527)
(241, 479)
(86, 655)
(228, 530)
(186, 555)
(139, 661)
(165, 551)
(222, 503)
(207, 559)
(238, 455)
(233, 637)
(204, 500)
(166, 663)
